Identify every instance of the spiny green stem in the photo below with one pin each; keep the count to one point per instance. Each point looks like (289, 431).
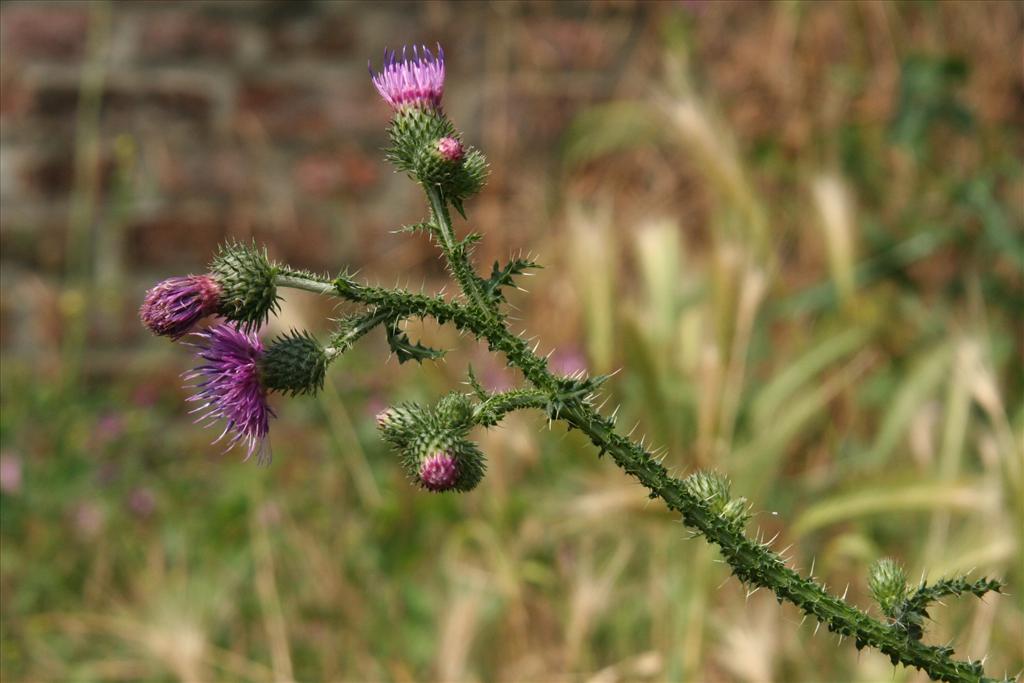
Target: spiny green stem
(490, 411)
(455, 254)
(753, 563)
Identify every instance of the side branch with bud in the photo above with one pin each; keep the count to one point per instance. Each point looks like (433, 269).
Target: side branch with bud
(237, 372)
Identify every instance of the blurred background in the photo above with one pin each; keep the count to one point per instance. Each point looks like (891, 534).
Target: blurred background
(796, 227)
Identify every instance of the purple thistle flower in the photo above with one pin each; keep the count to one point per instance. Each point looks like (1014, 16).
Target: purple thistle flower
(439, 472)
(416, 82)
(230, 387)
(174, 306)
(450, 149)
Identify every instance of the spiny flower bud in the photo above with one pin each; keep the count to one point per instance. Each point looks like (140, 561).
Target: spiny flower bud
(470, 177)
(294, 364)
(455, 411)
(174, 306)
(711, 488)
(441, 461)
(248, 291)
(888, 584)
(432, 443)
(737, 512)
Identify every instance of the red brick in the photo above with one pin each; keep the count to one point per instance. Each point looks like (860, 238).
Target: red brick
(348, 171)
(34, 32)
(15, 95)
(328, 37)
(125, 103)
(182, 35)
(285, 109)
(175, 239)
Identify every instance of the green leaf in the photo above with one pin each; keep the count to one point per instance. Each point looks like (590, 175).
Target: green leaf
(406, 350)
(503, 277)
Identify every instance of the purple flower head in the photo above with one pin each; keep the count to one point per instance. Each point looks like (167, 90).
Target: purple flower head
(229, 388)
(416, 82)
(439, 472)
(450, 149)
(174, 306)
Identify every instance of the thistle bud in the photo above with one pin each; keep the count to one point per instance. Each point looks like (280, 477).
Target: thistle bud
(246, 279)
(737, 512)
(888, 584)
(432, 443)
(471, 176)
(441, 461)
(438, 161)
(455, 412)
(711, 488)
(294, 363)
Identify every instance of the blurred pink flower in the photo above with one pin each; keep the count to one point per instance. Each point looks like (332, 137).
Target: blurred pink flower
(142, 502)
(10, 473)
(108, 428)
(567, 362)
(88, 518)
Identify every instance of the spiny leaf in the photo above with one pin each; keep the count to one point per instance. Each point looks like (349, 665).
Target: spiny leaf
(503, 277)
(406, 350)
(423, 226)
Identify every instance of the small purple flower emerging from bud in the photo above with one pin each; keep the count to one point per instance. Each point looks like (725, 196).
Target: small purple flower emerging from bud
(384, 417)
(450, 149)
(230, 390)
(174, 306)
(416, 82)
(439, 472)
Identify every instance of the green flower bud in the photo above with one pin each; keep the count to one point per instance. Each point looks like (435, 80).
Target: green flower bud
(246, 279)
(442, 461)
(455, 412)
(470, 177)
(888, 584)
(737, 512)
(711, 488)
(438, 162)
(432, 443)
(294, 363)
(414, 131)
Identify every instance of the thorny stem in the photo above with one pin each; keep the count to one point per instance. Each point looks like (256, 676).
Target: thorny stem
(455, 254)
(753, 563)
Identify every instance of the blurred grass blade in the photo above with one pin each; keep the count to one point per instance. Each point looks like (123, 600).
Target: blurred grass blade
(792, 380)
(965, 496)
(609, 128)
(922, 383)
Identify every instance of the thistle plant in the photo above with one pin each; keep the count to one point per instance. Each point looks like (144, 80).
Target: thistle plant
(237, 372)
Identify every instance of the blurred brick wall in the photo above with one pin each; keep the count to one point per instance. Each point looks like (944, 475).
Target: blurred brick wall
(137, 135)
